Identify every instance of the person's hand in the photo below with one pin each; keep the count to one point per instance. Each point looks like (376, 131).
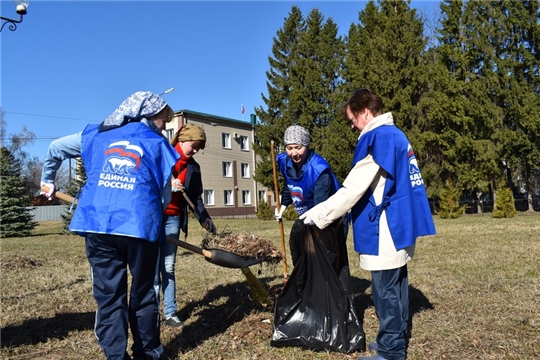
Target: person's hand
(307, 217)
(278, 213)
(48, 194)
(176, 185)
(209, 226)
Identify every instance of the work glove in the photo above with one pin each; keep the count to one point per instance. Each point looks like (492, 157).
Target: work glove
(278, 213)
(209, 226)
(307, 217)
(177, 185)
(48, 194)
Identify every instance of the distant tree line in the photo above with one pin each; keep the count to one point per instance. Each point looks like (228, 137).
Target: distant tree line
(466, 90)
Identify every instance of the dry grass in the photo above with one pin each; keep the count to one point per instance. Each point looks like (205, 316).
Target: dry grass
(475, 294)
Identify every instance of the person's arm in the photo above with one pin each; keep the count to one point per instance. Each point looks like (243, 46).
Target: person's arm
(286, 198)
(67, 147)
(322, 187)
(166, 194)
(354, 187)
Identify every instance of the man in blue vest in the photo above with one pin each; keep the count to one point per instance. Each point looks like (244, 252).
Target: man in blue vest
(128, 165)
(386, 195)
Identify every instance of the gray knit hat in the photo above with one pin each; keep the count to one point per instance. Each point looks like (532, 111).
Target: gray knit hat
(296, 135)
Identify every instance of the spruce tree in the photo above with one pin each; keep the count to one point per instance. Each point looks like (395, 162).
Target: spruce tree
(492, 108)
(16, 218)
(303, 77)
(272, 124)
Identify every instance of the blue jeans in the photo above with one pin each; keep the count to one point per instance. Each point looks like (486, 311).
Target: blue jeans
(390, 293)
(165, 273)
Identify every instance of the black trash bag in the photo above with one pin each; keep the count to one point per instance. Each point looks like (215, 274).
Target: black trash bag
(315, 309)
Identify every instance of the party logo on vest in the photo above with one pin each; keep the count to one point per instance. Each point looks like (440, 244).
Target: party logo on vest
(414, 170)
(121, 158)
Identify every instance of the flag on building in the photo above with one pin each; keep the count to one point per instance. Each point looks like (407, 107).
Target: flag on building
(243, 110)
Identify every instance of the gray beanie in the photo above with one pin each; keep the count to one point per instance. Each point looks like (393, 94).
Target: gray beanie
(296, 135)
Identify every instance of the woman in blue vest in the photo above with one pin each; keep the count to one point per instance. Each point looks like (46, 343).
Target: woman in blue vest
(390, 210)
(315, 308)
(309, 180)
(128, 165)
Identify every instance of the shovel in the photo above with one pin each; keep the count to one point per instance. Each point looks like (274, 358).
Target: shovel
(217, 257)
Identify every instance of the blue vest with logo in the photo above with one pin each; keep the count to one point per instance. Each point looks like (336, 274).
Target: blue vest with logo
(301, 188)
(405, 200)
(126, 170)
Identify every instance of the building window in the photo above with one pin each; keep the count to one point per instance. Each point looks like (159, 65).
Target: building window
(262, 195)
(209, 197)
(228, 197)
(169, 133)
(244, 143)
(245, 170)
(227, 169)
(226, 140)
(246, 197)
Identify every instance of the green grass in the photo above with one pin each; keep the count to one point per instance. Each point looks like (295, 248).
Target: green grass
(475, 294)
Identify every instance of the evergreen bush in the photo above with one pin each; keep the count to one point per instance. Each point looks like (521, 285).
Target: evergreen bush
(290, 213)
(264, 210)
(504, 203)
(449, 206)
(16, 218)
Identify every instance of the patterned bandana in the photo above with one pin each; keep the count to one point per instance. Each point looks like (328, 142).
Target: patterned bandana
(296, 135)
(137, 107)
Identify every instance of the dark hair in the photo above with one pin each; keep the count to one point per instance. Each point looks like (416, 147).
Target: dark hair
(363, 99)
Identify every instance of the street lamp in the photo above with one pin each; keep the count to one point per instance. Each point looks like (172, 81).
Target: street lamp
(167, 91)
(21, 10)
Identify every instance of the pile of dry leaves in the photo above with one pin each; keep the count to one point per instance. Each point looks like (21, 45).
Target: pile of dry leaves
(244, 244)
(14, 262)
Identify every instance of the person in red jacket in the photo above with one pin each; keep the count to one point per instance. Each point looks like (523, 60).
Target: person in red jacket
(186, 179)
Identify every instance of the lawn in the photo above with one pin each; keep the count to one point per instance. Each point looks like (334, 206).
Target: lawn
(475, 294)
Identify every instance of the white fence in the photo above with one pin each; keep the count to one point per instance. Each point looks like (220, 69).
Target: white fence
(48, 213)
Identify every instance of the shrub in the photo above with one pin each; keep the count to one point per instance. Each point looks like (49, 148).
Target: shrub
(290, 213)
(504, 203)
(264, 211)
(449, 207)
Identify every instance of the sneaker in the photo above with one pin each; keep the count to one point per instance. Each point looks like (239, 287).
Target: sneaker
(372, 346)
(137, 356)
(173, 321)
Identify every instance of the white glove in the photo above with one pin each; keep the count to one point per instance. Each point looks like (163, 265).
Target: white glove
(48, 194)
(278, 213)
(307, 217)
(177, 185)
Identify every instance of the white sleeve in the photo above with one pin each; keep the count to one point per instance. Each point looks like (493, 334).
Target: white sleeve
(354, 187)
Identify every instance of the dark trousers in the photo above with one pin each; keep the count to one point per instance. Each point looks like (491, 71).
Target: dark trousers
(390, 292)
(109, 257)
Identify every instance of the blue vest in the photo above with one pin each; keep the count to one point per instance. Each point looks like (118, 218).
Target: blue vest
(301, 188)
(405, 200)
(126, 170)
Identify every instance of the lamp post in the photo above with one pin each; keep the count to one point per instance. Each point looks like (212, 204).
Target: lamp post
(167, 91)
(21, 10)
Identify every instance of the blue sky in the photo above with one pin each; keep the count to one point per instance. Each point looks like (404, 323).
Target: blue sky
(70, 63)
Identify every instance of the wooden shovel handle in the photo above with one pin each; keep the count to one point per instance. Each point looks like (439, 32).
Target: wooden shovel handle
(278, 206)
(60, 195)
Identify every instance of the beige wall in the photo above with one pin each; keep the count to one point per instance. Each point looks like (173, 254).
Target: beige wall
(213, 157)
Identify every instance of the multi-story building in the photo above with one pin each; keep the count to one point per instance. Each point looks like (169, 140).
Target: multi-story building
(227, 163)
